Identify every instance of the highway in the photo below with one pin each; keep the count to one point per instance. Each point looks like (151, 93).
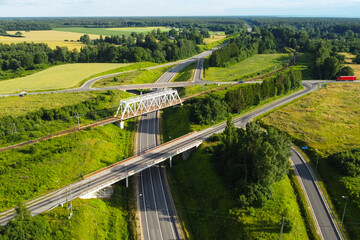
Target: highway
(139, 162)
(323, 219)
(157, 212)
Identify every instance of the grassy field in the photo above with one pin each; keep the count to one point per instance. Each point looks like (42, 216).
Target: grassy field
(332, 111)
(215, 37)
(16, 106)
(327, 120)
(110, 31)
(251, 67)
(186, 74)
(348, 56)
(32, 171)
(135, 77)
(50, 37)
(58, 77)
(94, 218)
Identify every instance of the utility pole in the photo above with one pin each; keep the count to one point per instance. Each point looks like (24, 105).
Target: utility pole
(69, 209)
(78, 119)
(282, 228)
(342, 219)
(14, 128)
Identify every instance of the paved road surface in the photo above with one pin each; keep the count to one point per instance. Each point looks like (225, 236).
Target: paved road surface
(157, 214)
(323, 218)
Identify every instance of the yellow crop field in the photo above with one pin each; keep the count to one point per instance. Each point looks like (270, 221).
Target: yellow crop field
(52, 38)
(214, 38)
(356, 68)
(136, 29)
(58, 77)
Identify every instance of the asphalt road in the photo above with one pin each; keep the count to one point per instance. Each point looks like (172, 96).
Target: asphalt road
(157, 214)
(318, 207)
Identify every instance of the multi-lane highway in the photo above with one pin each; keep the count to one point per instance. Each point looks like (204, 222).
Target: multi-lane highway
(156, 210)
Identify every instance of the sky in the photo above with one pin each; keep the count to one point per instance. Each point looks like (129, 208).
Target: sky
(64, 8)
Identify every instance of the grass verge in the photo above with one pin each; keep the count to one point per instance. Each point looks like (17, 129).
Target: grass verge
(186, 74)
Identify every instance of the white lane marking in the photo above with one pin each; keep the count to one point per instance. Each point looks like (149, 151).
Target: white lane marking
(167, 209)
(162, 186)
(156, 209)
(142, 184)
(152, 184)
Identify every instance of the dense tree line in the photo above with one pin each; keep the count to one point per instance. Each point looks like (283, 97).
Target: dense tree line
(251, 161)
(243, 46)
(213, 108)
(228, 24)
(347, 162)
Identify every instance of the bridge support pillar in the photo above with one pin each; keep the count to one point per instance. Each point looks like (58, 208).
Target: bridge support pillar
(141, 91)
(127, 181)
(121, 124)
(170, 161)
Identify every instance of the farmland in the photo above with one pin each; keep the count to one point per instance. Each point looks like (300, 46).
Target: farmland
(214, 37)
(110, 31)
(58, 77)
(250, 67)
(356, 68)
(52, 38)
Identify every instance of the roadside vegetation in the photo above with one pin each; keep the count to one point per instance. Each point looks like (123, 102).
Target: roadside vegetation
(327, 122)
(135, 77)
(217, 211)
(254, 66)
(45, 120)
(57, 77)
(186, 74)
(31, 171)
(92, 219)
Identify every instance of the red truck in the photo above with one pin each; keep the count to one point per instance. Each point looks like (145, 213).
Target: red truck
(346, 78)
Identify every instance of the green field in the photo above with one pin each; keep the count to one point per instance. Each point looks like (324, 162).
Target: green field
(16, 106)
(32, 171)
(58, 77)
(248, 68)
(328, 120)
(111, 31)
(135, 77)
(186, 74)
